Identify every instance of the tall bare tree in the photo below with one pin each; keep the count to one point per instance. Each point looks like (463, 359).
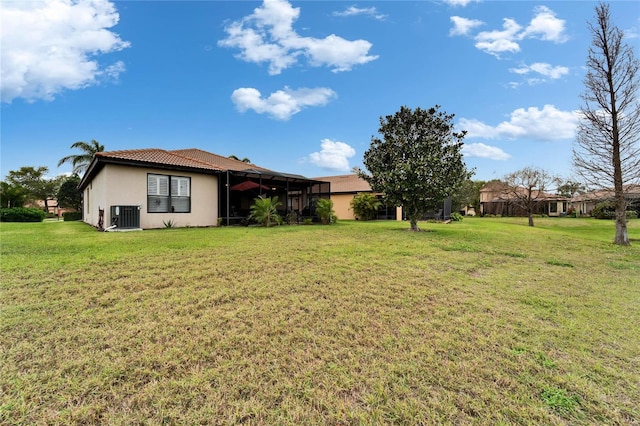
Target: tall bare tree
(607, 150)
(526, 188)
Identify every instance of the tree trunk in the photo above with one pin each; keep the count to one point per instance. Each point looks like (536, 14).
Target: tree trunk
(530, 219)
(414, 224)
(622, 236)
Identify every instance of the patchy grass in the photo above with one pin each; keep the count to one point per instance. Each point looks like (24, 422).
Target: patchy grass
(354, 323)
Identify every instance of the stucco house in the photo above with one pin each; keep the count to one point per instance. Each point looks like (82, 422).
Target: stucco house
(148, 188)
(496, 199)
(345, 187)
(585, 203)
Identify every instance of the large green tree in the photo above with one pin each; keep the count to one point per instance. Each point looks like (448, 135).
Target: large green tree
(69, 196)
(35, 184)
(468, 195)
(417, 163)
(11, 195)
(607, 148)
(81, 161)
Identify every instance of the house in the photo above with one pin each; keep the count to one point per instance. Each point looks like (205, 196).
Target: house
(148, 188)
(345, 187)
(585, 203)
(496, 198)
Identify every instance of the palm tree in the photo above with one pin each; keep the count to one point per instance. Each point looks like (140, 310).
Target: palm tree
(244, 160)
(264, 210)
(324, 210)
(80, 162)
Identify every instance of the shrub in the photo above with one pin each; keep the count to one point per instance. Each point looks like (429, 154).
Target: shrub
(324, 210)
(456, 217)
(71, 216)
(607, 210)
(292, 217)
(264, 210)
(365, 206)
(604, 210)
(21, 214)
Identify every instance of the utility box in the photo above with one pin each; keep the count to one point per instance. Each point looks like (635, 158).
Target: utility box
(125, 216)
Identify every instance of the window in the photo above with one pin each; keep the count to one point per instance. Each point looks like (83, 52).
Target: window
(168, 194)
(553, 207)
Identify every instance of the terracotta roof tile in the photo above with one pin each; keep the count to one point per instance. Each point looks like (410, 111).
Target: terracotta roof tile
(222, 163)
(346, 183)
(158, 156)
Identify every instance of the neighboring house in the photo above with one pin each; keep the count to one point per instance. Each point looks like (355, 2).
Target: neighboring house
(496, 199)
(52, 206)
(148, 188)
(585, 203)
(345, 187)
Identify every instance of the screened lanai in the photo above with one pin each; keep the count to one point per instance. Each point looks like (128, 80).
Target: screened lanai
(296, 193)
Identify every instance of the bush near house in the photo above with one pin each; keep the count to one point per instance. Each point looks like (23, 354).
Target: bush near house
(71, 216)
(365, 206)
(324, 209)
(22, 214)
(607, 210)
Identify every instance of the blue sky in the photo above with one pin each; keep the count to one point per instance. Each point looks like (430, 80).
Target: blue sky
(296, 87)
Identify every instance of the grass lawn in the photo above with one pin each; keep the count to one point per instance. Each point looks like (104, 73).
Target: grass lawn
(484, 321)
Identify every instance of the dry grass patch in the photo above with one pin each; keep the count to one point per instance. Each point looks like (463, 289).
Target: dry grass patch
(357, 323)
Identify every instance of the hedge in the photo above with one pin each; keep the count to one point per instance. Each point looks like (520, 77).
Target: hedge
(71, 216)
(21, 214)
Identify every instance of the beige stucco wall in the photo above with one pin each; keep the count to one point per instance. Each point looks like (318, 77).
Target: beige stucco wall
(117, 185)
(342, 206)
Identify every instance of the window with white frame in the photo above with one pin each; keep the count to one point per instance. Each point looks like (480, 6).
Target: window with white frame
(168, 194)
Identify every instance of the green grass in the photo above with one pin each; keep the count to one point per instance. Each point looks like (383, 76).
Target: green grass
(484, 321)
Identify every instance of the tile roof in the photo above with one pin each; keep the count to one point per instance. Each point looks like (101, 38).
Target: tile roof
(157, 156)
(222, 163)
(182, 159)
(346, 183)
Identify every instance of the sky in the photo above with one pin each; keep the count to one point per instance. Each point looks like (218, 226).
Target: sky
(295, 86)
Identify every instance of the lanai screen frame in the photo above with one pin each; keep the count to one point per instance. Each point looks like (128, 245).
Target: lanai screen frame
(298, 187)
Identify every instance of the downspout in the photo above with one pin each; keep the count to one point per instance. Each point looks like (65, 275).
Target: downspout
(227, 186)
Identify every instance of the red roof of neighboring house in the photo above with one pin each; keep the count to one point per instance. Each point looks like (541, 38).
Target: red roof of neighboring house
(346, 183)
(631, 190)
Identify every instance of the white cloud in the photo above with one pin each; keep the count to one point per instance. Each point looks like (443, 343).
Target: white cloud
(333, 155)
(462, 26)
(631, 33)
(367, 11)
(267, 36)
(496, 42)
(545, 124)
(544, 69)
(546, 26)
(281, 104)
(481, 150)
(49, 46)
(543, 26)
(461, 3)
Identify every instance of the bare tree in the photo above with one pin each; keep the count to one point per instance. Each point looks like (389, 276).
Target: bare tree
(607, 151)
(526, 188)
